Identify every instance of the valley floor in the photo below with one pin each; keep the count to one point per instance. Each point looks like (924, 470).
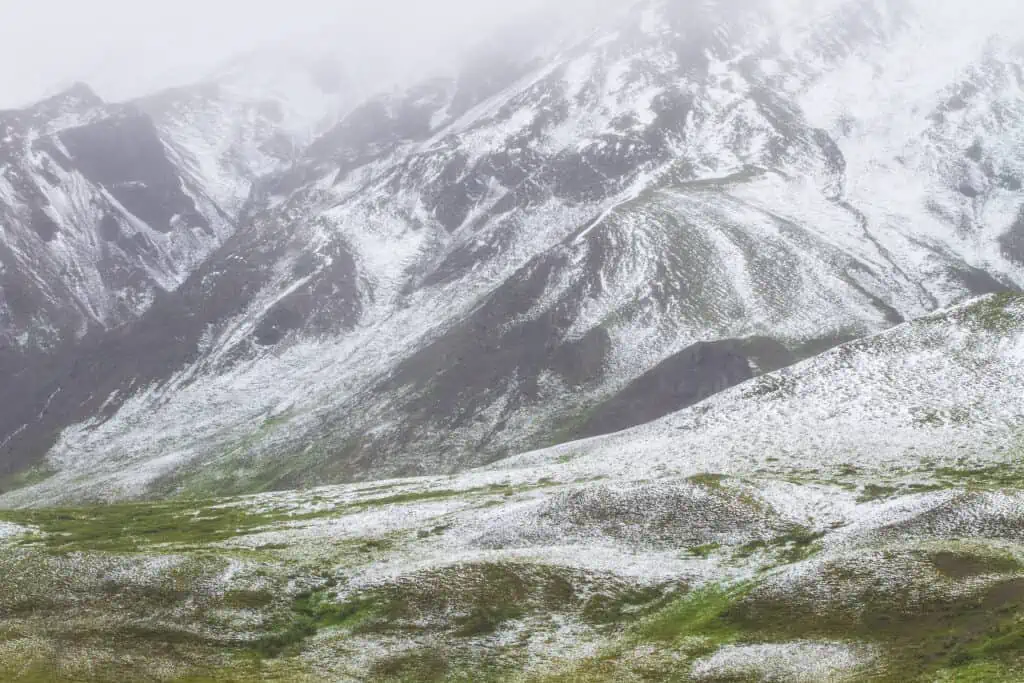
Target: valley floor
(503, 576)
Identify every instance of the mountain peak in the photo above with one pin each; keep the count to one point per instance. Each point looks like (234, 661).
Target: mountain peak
(78, 97)
(79, 93)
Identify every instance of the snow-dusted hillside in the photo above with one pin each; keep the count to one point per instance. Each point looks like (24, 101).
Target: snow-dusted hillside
(906, 407)
(544, 246)
(857, 517)
(942, 392)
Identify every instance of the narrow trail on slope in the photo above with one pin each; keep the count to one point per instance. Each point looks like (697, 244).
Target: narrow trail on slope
(838, 167)
(862, 220)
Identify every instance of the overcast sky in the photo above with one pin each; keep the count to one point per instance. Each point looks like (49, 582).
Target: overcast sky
(125, 48)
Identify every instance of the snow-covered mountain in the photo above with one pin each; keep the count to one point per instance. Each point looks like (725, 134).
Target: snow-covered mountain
(252, 117)
(106, 208)
(699, 325)
(125, 200)
(579, 232)
(96, 217)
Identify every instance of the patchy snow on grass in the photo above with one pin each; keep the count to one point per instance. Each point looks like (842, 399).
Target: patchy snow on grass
(796, 662)
(8, 531)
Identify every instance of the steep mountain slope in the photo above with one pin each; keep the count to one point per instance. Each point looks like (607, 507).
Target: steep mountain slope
(126, 200)
(855, 517)
(252, 117)
(107, 208)
(97, 220)
(526, 253)
(96, 217)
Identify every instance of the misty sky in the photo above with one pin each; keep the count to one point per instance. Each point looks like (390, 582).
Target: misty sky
(125, 48)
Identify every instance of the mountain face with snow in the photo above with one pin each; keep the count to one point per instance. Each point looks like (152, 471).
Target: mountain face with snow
(680, 341)
(96, 218)
(578, 232)
(108, 208)
(98, 221)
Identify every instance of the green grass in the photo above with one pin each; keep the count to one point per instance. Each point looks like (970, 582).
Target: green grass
(477, 600)
(483, 620)
(920, 636)
(248, 599)
(138, 634)
(977, 672)
(420, 497)
(873, 492)
(626, 606)
(487, 596)
(998, 477)
(425, 665)
(705, 550)
(432, 664)
(698, 615)
(710, 481)
(132, 527)
(795, 545)
(994, 315)
(680, 631)
(964, 562)
(24, 479)
(959, 637)
(444, 614)
(42, 667)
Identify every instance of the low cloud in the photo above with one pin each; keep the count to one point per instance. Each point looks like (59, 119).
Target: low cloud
(125, 48)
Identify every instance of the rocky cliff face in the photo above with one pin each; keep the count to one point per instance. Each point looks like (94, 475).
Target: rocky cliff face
(96, 218)
(569, 237)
